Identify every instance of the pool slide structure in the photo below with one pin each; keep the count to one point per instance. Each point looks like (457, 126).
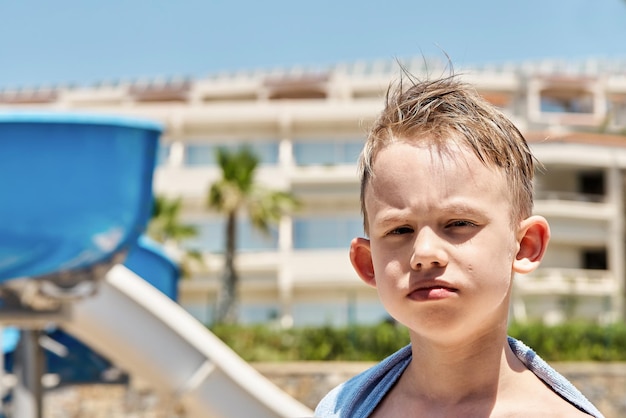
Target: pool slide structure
(77, 195)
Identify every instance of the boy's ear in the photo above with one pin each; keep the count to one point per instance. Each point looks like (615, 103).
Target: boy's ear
(361, 258)
(533, 236)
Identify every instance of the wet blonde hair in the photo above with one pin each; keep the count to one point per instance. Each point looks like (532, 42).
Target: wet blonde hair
(446, 111)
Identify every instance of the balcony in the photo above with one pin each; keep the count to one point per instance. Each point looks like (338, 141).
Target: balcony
(573, 205)
(310, 274)
(555, 295)
(563, 281)
(570, 196)
(324, 175)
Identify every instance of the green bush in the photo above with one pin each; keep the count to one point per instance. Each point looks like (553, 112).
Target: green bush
(575, 341)
(567, 342)
(361, 343)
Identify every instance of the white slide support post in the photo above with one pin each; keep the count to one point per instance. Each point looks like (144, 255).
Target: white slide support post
(150, 336)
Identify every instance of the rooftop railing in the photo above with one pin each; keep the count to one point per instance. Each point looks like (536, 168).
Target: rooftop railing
(384, 67)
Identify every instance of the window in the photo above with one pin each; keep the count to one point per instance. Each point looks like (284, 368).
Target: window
(163, 154)
(566, 101)
(338, 313)
(204, 154)
(591, 183)
(319, 233)
(594, 259)
(326, 152)
(618, 112)
(210, 237)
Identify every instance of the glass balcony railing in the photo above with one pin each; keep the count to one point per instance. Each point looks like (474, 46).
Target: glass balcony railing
(567, 281)
(569, 196)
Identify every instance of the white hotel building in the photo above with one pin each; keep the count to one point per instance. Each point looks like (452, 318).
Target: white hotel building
(308, 126)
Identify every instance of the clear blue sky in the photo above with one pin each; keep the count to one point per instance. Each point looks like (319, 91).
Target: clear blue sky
(86, 41)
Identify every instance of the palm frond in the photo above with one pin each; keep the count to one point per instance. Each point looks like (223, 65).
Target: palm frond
(237, 192)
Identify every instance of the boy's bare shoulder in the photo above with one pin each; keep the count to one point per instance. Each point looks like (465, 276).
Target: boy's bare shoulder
(548, 407)
(530, 395)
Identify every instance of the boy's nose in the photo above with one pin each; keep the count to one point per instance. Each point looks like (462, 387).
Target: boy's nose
(428, 251)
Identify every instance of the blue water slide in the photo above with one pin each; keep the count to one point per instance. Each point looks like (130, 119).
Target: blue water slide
(77, 195)
(78, 363)
(77, 190)
(148, 260)
(10, 337)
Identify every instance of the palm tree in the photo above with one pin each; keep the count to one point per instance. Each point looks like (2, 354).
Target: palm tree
(165, 227)
(237, 192)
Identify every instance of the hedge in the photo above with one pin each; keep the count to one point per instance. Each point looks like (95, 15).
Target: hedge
(574, 341)
(567, 342)
(265, 343)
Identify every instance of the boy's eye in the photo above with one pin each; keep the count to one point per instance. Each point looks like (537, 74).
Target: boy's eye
(460, 223)
(401, 230)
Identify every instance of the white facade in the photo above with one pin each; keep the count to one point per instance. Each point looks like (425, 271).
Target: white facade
(308, 126)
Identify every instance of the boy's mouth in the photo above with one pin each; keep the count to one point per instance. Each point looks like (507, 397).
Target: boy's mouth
(432, 291)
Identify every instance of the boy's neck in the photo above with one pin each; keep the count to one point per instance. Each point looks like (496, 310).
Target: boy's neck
(477, 369)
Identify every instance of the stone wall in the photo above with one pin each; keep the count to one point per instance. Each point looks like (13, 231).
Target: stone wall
(603, 383)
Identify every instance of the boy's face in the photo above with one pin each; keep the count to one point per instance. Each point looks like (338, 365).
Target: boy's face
(441, 243)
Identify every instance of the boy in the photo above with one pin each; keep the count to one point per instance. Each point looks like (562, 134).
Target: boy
(446, 196)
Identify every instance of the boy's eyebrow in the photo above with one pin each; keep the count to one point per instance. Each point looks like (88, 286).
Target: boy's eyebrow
(390, 219)
(452, 208)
